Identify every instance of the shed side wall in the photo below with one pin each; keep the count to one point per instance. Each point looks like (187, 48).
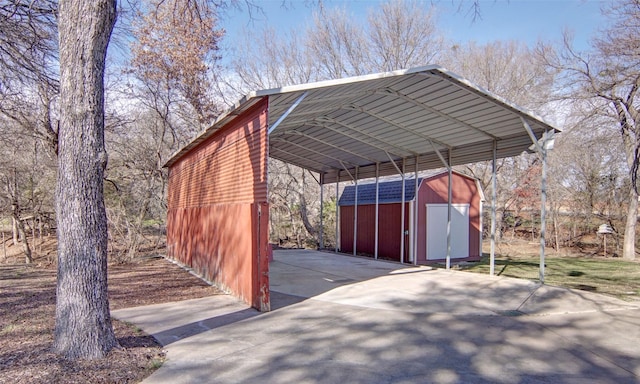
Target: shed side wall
(217, 208)
(388, 230)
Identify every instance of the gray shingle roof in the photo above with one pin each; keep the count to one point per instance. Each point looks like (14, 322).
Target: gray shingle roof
(389, 192)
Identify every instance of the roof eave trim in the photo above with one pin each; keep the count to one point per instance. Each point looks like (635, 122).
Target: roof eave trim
(346, 80)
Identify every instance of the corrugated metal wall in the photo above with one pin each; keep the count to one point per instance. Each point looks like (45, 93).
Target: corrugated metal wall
(218, 216)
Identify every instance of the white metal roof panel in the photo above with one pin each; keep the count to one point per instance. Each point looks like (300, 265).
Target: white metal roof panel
(361, 121)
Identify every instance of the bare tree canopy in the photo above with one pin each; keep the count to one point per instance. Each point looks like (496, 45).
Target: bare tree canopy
(403, 34)
(176, 43)
(606, 81)
(398, 35)
(28, 39)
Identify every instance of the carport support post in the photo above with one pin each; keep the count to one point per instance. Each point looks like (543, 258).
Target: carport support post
(449, 214)
(401, 172)
(494, 197)
(375, 249)
(321, 232)
(355, 215)
(543, 208)
(542, 152)
(402, 216)
(337, 212)
(415, 217)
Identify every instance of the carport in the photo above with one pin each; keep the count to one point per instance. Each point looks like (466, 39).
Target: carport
(399, 122)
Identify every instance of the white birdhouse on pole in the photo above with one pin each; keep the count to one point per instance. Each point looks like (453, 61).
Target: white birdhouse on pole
(604, 230)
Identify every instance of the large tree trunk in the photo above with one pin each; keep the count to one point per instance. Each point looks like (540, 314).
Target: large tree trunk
(629, 244)
(83, 324)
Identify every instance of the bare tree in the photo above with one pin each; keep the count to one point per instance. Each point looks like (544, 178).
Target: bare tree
(403, 34)
(337, 44)
(294, 201)
(608, 79)
(507, 68)
(588, 179)
(27, 42)
(176, 42)
(83, 324)
(28, 58)
(256, 65)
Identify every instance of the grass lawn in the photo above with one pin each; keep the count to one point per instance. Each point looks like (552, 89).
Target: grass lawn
(607, 276)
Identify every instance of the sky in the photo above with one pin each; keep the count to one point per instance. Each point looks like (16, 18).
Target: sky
(523, 20)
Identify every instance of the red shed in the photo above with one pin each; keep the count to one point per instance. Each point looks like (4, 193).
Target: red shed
(427, 234)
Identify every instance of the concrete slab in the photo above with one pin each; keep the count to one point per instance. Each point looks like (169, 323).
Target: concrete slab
(345, 319)
(178, 320)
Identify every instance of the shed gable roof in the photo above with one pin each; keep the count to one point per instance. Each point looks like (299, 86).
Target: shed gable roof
(388, 192)
(391, 191)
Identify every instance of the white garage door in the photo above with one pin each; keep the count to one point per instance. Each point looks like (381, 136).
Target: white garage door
(437, 231)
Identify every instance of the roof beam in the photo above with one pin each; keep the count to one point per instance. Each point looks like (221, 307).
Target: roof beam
(382, 118)
(284, 115)
(394, 164)
(300, 115)
(307, 149)
(342, 95)
(353, 137)
(325, 119)
(304, 159)
(446, 163)
(349, 173)
(333, 146)
(496, 100)
(527, 128)
(332, 101)
(388, 91)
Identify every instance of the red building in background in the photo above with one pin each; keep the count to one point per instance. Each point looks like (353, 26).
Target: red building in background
(425, 237)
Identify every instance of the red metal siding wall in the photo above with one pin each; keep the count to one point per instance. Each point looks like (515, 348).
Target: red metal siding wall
(217, 220)
(464, 191)
(389, 216)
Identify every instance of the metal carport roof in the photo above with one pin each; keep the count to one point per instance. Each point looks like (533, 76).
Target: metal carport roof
(425, 113)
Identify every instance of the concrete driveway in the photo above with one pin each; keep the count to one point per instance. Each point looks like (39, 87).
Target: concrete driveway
(340, 319)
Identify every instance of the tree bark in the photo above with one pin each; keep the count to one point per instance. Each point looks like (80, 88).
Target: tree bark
(135, 230)
(629, 242)
(14, 231)
(83, 324)
(28, 259)
(304, 212)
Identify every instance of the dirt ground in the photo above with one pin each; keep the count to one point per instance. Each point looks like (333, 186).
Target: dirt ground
(27, 318)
